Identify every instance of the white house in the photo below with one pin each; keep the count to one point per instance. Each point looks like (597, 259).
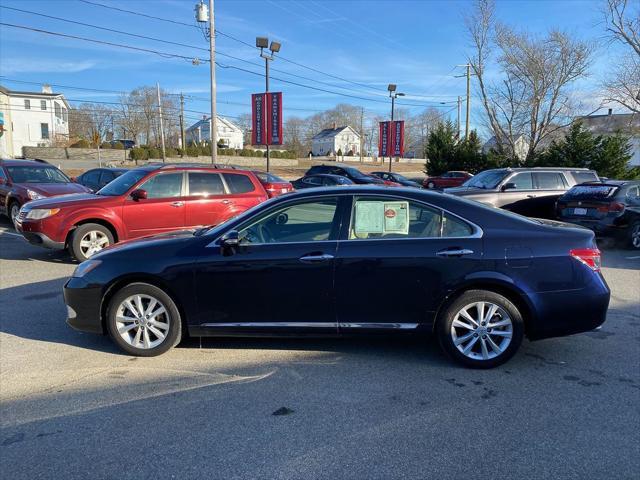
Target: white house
(330, 141)
(229, 133)
(32, 119)
(625, 123)
(521, 146)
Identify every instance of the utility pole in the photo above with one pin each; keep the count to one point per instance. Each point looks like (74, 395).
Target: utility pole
(458, 122)
(212, 64)
(466, 128)
(361, 132)
(182, 138)
(164, 158)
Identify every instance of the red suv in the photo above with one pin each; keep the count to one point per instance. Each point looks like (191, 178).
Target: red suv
(145, 201)
(24, 180)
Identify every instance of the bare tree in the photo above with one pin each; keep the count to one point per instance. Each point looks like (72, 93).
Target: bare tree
(532, 98)
(90, 121)
(623, 26)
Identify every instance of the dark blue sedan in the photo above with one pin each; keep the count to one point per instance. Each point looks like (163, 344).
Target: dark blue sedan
(350, 260)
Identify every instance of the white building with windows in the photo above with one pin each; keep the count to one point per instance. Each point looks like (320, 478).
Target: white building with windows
(330, 141)
(32, 119)
(229, 133)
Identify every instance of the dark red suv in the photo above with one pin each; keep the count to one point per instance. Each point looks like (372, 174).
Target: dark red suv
(447, 180)
(144, 201)
(24, 180)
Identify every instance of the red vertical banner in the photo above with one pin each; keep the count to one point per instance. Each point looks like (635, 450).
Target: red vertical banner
(258, 113)
(397, 142)
(384, 139)
(274, 119)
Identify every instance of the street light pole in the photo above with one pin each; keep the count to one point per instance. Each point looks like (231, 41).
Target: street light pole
(213, 133)
(274, 47)
(393, 94)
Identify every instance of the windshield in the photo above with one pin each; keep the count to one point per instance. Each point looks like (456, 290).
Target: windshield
(358, 174)
(269, 177)
(37, 175)
(488, 179)
(124, 182)
(401, 178)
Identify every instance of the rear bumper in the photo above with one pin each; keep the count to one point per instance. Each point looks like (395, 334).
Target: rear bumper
(83, 306)
(600, 228)
(571, 311)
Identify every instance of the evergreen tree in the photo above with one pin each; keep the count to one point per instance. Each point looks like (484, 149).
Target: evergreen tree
(441, 149)
(613, 158)
(579, 148)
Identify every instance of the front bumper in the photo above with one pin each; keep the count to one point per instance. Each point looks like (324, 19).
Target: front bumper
(31, 232)
(83, 306)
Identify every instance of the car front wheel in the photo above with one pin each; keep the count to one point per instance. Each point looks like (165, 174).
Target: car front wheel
(431, 185)
(480, 329)
(143, 320)
(14, 210)
(89, 239)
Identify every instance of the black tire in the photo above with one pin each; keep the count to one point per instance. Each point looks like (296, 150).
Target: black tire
(633, 240)
(76, 250)
(13, 205)
(465, 300)
(174, 334)
(431, 185)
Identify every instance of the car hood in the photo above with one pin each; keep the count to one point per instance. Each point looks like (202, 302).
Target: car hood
(149, 241)
(69, 200)
(54, 189)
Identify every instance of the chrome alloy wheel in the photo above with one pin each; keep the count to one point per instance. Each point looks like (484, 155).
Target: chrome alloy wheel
(92, 242)
(142, 321)
(15, 210)
(635, 236)
(482, 330)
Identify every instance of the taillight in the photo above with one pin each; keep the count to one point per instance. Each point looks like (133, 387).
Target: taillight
(615, 207)
(589, 256)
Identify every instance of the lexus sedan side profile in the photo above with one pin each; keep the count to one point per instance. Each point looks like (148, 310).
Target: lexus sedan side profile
(349, 260)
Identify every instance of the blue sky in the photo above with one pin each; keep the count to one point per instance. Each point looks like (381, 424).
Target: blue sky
(415, 44)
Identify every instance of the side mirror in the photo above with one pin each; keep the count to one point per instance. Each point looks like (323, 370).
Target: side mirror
(509, 186)
(231, 239)
(139, 194)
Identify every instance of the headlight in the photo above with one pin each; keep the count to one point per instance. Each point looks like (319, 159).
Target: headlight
(40, 213)
(34, 195)
(85, 267)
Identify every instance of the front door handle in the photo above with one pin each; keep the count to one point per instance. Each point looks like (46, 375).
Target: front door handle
(177, 204)
(227, 202)
(454, 252)
(531, 196)
(316, 258)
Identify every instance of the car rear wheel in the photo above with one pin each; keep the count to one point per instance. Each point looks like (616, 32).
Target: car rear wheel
(480, 329)
(634, 235)
(431, 185)
(89, 239)
(143, 320)
(14, 210)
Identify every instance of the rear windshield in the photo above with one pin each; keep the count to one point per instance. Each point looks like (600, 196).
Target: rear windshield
(591, 192)
(269, 177)
(37, 175)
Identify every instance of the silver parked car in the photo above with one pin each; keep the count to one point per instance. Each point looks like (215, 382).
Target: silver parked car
(528, 191)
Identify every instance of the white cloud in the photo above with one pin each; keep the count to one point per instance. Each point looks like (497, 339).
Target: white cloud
(21, 65)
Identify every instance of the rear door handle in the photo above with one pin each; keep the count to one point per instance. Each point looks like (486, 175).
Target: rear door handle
(316, 258)
(454, 252)
(531, 196)
(177, 204)
(227, 202)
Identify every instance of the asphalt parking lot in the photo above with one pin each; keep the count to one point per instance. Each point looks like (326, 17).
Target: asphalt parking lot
(73, 406)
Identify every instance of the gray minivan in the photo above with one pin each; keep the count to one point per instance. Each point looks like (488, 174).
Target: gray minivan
(528, 191)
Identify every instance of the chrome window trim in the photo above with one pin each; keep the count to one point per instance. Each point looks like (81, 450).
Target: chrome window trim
(478, 232)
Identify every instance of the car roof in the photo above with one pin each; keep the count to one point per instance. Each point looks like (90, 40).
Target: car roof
(611, 183)
(17, 162)
(193, 166)
(329, 175)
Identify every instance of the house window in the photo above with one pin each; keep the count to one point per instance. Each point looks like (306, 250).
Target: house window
(27, 104)
(44, 131)
(56, 105)
(65, 115)
(43, 104)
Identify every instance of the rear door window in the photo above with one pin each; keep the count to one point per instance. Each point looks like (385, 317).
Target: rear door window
(91, 178)
(313, 181)
(549, 181)
(205, 184)
(238, 183)
(106, 176)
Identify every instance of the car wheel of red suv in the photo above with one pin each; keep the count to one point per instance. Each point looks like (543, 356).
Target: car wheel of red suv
(89, 239)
